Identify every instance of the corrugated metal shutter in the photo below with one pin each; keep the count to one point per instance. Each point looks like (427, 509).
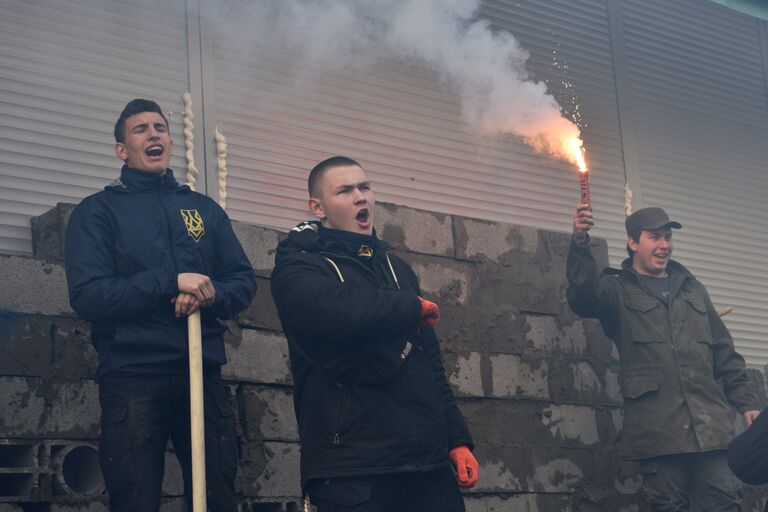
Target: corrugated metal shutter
(405, 127)
(701, 111)
(66, 69)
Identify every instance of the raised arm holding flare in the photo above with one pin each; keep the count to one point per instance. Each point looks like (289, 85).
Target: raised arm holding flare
(679, 370)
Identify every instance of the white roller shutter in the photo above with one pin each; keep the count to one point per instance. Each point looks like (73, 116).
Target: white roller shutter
(67, 67)
(405, 127)
(701, 111)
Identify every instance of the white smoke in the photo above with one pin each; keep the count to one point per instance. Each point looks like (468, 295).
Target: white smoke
(485, 68)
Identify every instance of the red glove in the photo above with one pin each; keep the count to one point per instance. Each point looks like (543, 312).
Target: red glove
(466, 466)
(430, 313)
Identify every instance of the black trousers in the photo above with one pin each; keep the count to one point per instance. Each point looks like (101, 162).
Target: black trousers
(138, 416)
(691, 481)
(434, 491)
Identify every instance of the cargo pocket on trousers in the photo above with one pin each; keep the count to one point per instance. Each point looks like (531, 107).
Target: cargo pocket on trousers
(115, 447)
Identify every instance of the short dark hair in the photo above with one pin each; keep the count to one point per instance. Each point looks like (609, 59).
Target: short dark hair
(317, 172)
(132, 108)
(636, 237)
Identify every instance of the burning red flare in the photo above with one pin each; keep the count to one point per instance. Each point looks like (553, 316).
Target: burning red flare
(577, 152)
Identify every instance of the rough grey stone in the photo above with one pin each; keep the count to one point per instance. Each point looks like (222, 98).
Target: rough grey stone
(612, 387)
(545, 334)
(415, 230)
(466, 375)
(524, 285)
(493, 241)
(173, 478)
(258, 356)
(558, 472)
(496, 476)
(74, 409)
(512, 377)
(33, 286)
(262, 311)
(573, 422)
(100, 505)
(259, 244)
(21, 407)
(525, 502)
(280, 476)
(173, 505)
(48, 232)
(441, 278)
(269, 414)
(471, 504)
(586, 381)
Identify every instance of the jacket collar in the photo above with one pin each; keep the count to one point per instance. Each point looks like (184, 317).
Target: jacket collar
(308, 237)
(135, 180)
(678, 274)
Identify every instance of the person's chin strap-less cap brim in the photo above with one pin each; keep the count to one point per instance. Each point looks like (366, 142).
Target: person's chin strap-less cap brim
(649, 219)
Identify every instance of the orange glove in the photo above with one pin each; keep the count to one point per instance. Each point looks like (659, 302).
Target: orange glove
(466, 466)
(430, 313)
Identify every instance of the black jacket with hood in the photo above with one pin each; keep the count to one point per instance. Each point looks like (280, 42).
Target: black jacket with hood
(125, 248)
(370, 391)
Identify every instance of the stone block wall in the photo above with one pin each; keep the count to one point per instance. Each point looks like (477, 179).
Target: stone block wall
(537, 385)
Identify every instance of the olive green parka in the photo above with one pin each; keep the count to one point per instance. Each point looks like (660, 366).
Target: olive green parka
(679, 369)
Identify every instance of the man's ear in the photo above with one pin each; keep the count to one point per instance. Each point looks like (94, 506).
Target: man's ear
(121, 152)
(632, 244)
(316, 207)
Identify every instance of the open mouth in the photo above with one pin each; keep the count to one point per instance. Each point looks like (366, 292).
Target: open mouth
(363, 215)
(154, 151)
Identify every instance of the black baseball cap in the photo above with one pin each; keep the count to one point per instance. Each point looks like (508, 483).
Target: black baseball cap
(649, 219)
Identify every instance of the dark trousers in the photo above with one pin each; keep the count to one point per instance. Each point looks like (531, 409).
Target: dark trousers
(691, 481)
(138, 416)
(434, 491)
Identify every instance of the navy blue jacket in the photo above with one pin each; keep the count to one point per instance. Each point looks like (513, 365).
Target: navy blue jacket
(370, 391)
(125, 247)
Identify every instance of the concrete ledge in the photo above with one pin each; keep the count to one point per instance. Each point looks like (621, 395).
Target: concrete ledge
(257, 356)
(415, 230)
(33, 286)
(259, 244)
(269, 414)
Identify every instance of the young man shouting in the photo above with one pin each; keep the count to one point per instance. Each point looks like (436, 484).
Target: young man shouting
(142, 255)
(378, 423)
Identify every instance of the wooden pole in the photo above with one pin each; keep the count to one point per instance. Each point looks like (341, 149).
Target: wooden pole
(196, 412)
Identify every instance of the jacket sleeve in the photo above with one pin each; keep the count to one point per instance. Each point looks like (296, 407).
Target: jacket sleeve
(233, 276)
(588, 294)
(728, 365)
(457, 426)
(312, 303)
(748, 453)
(96, 292)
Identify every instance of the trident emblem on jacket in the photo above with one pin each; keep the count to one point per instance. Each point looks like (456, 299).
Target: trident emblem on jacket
(194, 223)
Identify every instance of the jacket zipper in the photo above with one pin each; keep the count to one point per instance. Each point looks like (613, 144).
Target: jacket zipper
(337, 435)
(169, 231)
